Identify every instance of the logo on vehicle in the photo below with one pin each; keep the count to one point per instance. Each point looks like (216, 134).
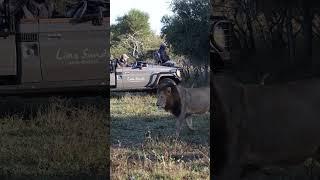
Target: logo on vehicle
(85, 57)
(135, 79)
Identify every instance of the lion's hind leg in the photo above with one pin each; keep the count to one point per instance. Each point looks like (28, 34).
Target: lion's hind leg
(189, 123)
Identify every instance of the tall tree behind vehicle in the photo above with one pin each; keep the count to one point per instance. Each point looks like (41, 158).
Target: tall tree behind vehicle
(132, 35)
(188, 29)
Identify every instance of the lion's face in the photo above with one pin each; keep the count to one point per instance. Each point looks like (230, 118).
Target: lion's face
(163, 96)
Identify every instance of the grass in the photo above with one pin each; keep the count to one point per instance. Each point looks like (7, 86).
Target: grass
(144, 146)
(59, 140)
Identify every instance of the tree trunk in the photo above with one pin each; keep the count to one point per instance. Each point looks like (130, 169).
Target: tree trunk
(250, 29)
(291, 45)
(307, 32)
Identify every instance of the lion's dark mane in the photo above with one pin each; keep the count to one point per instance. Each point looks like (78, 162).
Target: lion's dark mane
(173, 103)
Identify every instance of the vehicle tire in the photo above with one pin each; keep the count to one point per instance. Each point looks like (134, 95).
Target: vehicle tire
(166, 80)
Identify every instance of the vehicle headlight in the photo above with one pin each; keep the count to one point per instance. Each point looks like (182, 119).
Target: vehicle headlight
(178, 73)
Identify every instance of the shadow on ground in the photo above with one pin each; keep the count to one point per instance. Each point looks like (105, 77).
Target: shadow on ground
(28, 107)
(133, 130)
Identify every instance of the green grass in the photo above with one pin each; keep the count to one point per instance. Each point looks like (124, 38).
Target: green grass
(161, 155)
(60, 140)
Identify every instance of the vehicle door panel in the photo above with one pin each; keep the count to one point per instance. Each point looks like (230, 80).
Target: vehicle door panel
(28, 49)
(119, 77)
(112, 79)
(134, 78)
(73, 51)
(8, 65)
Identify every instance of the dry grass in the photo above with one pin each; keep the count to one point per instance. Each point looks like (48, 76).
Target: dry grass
(60, 140)
(143, 145)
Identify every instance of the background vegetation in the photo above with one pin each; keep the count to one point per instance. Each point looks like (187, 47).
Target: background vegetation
(186, 33)
(280, 38)
(132, 35)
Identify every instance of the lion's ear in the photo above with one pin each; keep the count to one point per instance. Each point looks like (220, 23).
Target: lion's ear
(169, 90)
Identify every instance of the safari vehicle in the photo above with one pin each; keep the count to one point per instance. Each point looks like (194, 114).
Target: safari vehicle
(141, 76)
(53, 54)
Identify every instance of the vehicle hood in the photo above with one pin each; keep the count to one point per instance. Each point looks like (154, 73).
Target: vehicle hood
(158, 68)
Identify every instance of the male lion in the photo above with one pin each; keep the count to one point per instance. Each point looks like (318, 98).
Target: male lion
(261, 127)
(183, 102)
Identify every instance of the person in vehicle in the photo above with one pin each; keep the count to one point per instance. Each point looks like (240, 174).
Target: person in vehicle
(123, 61)
(163, 56)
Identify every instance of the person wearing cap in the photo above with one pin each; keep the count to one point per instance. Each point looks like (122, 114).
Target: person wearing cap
(123, 60)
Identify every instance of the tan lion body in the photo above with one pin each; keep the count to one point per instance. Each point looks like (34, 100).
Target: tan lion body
(183, 102)
(270, 125)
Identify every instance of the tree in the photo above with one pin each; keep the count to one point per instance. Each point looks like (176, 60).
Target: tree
(132, 34)
(187, 31)
(135, 22)
(274, 24)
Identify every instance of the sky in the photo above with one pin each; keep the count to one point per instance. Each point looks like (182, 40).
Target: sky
(155, 8)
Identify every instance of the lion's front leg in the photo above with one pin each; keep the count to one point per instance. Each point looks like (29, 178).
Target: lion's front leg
(179, 125)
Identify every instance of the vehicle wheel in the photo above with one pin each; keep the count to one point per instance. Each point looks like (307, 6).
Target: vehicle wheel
(165, 81)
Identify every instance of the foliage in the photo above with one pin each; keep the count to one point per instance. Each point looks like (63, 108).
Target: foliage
(275, 39)
(134, 22)
(187, 30)
(132, 35)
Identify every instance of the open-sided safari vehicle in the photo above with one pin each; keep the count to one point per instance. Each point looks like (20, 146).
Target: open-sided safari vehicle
(53, 54)
(141, 76)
